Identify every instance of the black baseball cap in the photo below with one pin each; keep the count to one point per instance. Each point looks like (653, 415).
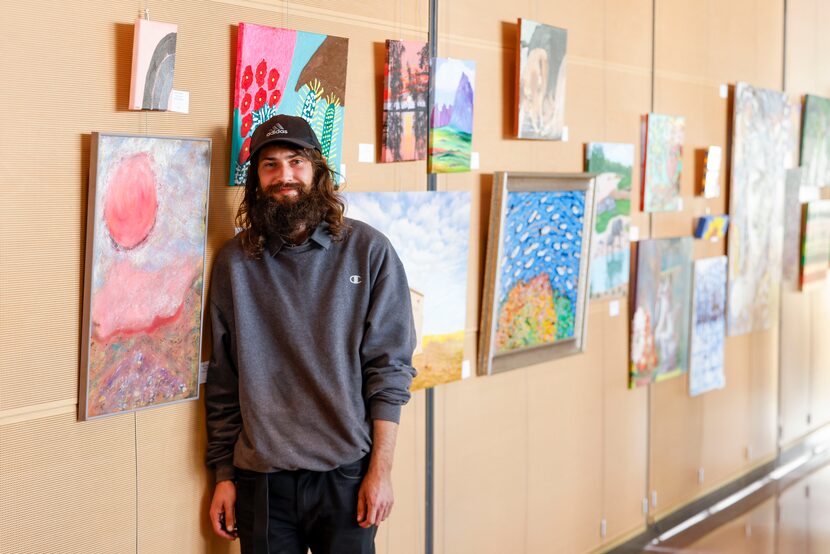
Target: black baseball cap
(284, 128)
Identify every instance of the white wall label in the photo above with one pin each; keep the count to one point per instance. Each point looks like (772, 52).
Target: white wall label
(179, 101)
(203, 367)
(614, 308)
(475, 161)
(565, 133)
(342, 178)
(724, 91)
(634, 233)
(366, 153)
(465, 369)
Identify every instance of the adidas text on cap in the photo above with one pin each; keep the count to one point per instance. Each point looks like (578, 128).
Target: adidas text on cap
(284, 128)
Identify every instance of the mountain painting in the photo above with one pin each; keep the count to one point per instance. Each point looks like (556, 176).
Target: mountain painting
(452, 90)
(405, 96)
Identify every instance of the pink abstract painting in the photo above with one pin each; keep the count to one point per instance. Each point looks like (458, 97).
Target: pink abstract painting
(146, 228)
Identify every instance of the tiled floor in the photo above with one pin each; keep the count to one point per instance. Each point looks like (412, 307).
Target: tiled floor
(794, 519)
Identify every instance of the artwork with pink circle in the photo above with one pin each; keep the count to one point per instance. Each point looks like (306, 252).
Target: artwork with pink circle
(146, 228)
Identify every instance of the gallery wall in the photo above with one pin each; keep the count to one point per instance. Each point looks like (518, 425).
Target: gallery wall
(532, 460)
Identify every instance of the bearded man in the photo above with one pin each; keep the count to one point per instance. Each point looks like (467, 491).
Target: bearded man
(312, 359)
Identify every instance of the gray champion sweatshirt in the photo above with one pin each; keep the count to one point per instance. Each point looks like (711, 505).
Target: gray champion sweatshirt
(310, 344)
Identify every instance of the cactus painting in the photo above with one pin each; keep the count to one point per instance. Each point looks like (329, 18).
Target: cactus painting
(282, 71)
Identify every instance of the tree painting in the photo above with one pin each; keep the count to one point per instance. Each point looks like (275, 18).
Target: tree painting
(405, 97)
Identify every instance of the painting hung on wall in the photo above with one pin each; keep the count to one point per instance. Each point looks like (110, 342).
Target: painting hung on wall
(815, 249)
(712, 227)
(760, 150)
(540, 81)
(537, 269)
(452, 91)
(405, 96)
(660, 327)
(430, 231)
(610, 249)
(711, 179)
(146, 229)
(791, 248)
(663, 162)
(815, 141)
(154, 60)
(282, 71)
(708, 326)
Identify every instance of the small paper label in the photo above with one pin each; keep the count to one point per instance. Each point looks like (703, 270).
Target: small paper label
(474, 160)
(179, 101)
(565, 133)
(366, 153)
(203, 368)
(465, 369)
(724, 91)
(634, 233)
(614, 308)
(679, 204)
(342, 178)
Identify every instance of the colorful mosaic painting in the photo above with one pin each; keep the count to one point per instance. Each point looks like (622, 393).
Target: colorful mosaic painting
(610, 247)
(430, 232)
(146, 230)
(282, 71)
(452, 92)
(815, 141)
(762, 136)
(663, 162)
(540, 113)
(660, 327)
(405, 96)
(708, 326)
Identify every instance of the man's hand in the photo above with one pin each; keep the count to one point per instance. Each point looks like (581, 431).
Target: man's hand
(375, 498)
(223, 503)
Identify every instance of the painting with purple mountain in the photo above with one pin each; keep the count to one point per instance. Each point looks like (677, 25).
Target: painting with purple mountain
(452, 90)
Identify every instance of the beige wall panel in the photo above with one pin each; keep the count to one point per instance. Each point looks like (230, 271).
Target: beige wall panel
(676, 444)
(716, 42)
(763, 395)
(725, 427)
(794, 365)
(175, 486)
(484, 481)
(625, 435)
(820, 356)
(68, 487)
(807, 40)
(565, 449)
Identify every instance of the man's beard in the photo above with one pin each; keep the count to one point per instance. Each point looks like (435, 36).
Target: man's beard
(281, 218)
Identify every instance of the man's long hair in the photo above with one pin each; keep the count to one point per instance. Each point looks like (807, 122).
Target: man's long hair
(253, 234)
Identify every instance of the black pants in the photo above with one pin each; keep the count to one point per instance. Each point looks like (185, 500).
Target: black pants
(288, 512)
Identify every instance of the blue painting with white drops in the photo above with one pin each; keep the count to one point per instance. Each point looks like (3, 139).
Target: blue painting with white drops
(538, 271)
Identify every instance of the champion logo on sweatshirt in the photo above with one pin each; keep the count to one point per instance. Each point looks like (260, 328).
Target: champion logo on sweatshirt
(355, 279)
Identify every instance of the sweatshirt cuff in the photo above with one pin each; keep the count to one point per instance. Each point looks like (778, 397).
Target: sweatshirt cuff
(385, 411)
(225, 472)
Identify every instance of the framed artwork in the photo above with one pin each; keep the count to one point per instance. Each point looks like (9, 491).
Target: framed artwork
(540, 81)
(793, 216)
(711, 178)
(405, 97)
(452, 92)
(815, 245)
(430, 232)
(815, 141)
(282, 71)
(144, 279)
(537, 269)
(762, 135)
(154, 61)
(610, 244)
(662, 304)
(712, 227)
(708, 326)
(663, 162)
